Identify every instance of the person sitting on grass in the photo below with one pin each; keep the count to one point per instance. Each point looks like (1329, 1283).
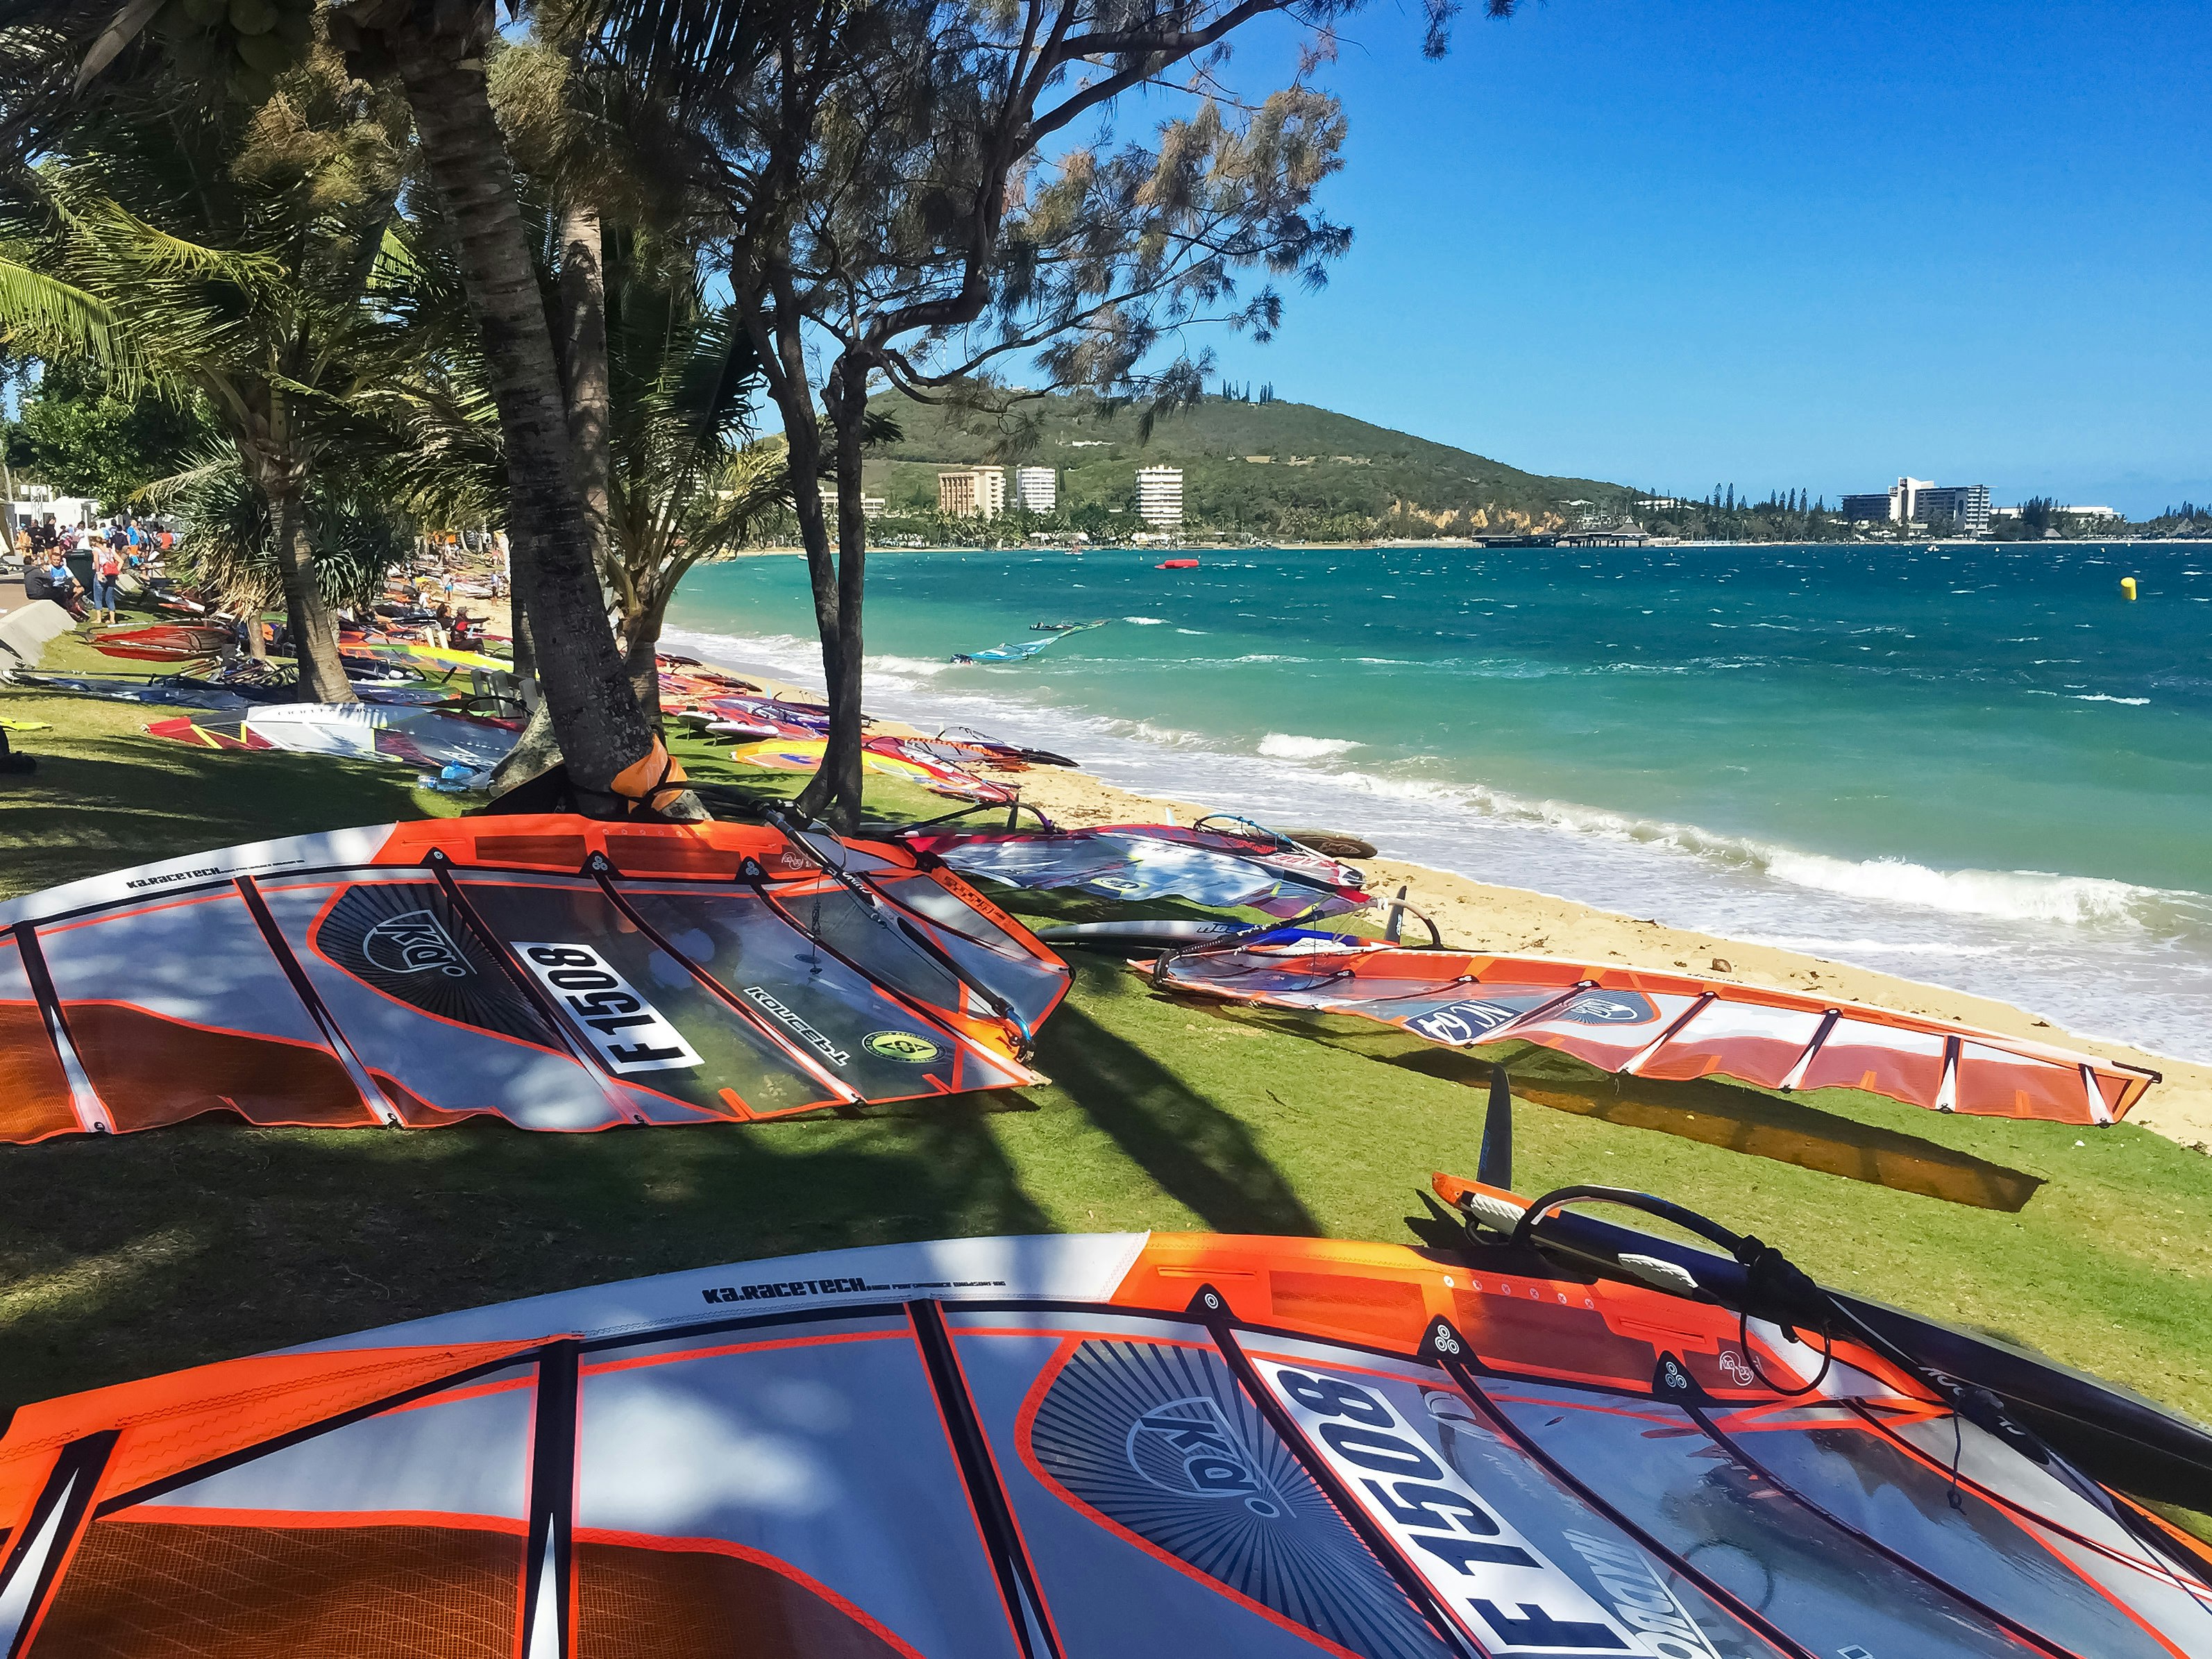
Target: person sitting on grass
(52, 580)
(12, 762)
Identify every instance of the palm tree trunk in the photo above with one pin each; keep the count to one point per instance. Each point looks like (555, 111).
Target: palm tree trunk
(584, 361)
(314, 630)
(602, 732)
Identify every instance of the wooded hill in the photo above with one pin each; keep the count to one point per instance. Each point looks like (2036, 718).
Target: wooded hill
(1271, 468)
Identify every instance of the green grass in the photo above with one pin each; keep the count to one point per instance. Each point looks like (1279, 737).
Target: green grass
(175, 1247)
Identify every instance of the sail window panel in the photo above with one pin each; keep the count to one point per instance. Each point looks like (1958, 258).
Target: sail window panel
(2003, 1084)
(1820, 1586)
(1846, 1467)
(1031, 981)
(1516, 1552)
(638, 1012)
(803, 1480)
(179, 1008)
(851, 1027)
(1883, 1059)
(1745, 1041)
(34, 1090)
(429, 1009)
(1606, 1028)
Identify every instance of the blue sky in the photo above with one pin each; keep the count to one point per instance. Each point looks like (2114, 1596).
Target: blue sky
(1781, 244)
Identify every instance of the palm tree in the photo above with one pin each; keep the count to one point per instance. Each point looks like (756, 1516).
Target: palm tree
(438, 50)
(60, 58)
(229, 253)
(683, 483)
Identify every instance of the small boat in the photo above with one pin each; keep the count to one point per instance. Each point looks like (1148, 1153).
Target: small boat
(1177, 564)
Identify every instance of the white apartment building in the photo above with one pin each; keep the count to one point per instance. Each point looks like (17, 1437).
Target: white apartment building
(1160, 495)
(974, 492)
(1917, 501)
(871, 506)
(1036, 488)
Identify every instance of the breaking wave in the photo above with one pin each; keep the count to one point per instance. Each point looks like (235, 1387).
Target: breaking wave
(2030, 895)
(1289, 745)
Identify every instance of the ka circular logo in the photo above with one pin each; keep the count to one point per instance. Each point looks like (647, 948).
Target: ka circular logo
(905, 1046)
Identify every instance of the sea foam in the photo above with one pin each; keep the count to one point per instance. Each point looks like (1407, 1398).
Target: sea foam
(1289, 745)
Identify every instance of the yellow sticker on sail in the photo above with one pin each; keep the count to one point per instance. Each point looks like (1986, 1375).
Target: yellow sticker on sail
(908, 1046)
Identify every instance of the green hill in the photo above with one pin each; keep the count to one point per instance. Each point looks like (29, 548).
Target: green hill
(1273, 468)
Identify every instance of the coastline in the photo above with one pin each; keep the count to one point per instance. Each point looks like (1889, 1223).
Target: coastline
(1478, 916)
(1477, 543)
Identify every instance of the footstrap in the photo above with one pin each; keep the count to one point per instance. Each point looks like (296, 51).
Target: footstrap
(664, 770)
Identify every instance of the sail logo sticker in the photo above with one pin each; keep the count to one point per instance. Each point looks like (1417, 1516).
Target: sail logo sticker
(1186, 1447)
(1463, 1021)
(1484, 1569)
(906, 1046)
(1609, 1008)
(783, 1015)
(627, 1034)
(416, 943)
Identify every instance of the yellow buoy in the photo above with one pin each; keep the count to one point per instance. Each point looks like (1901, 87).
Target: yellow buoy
(2127, 588)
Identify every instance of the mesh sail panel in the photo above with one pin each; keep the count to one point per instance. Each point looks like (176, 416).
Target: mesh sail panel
(155, 1591)
(634, 1603)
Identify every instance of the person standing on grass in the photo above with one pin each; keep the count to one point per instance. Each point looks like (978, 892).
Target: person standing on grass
(106, 572)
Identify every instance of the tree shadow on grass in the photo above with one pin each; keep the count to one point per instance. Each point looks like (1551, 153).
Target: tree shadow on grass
(128, 1257)
(98, 803)
(1199, 1155)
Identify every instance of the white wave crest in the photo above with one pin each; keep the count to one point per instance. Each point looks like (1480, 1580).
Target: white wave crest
(1147, 622)
(2098, 696)
(1169, 735)
(2008, 895)
(1289, 745)
(905, 668)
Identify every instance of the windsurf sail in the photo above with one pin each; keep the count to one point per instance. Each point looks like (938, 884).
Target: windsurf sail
(163, 641)
(1131, 864)
(1666, 1026)
(167, 692)
(24, 631)
(557, 972)
(1023, 650)
(965, 745)
(405, 652)
(402, 733)
(886, 756)
(1060, 1447)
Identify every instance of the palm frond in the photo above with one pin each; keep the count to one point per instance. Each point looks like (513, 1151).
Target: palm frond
(44, 316)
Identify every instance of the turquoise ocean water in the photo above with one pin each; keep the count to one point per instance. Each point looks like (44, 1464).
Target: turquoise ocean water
(1978, 766)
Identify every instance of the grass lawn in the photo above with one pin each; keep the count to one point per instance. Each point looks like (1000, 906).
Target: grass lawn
(175, 1247)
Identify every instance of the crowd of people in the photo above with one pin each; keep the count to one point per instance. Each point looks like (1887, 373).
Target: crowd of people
(122, 544)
